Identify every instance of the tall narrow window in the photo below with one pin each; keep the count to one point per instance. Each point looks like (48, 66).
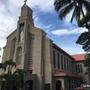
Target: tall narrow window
(81, 68)
(67, 64)
(58, 59)
(54, 59)
(70, 66)
(62, 62)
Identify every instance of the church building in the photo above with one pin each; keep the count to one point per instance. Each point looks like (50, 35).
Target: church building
(48, 66)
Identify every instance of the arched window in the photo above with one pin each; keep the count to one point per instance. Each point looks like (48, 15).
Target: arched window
(19, 56)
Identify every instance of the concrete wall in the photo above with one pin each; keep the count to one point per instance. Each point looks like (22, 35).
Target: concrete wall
(7, 49)
(84, 71)
(37, 57)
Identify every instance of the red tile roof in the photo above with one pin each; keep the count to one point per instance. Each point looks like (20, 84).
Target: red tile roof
(79, 57)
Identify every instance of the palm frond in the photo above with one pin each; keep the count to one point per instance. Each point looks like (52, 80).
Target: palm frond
(86, 4)
(73, 15)
(77, 13)
(85, 19)
(83, 38)
(10, 63)
(60, 3)
(65, 10)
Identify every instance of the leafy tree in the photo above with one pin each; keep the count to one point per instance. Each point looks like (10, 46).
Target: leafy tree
(11, 78)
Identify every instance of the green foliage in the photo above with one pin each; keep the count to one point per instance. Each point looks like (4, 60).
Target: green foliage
(10, 63)
(12, 77)
(0, 49)
(2, 66)
(19, 75)
(78, 9)
(84, 20)
(63, 7)
(83, 38)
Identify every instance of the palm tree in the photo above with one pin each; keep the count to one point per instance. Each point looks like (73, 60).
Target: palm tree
(84, 40)
(80, 10)
(11, 78)
(64, 7)
(85, 21)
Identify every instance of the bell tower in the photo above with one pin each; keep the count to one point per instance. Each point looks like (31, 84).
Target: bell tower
(23, 54)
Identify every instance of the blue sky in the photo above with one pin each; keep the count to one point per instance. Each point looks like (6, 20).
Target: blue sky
(63, 33)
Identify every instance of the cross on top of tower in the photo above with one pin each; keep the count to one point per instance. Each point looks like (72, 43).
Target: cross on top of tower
(25, 2)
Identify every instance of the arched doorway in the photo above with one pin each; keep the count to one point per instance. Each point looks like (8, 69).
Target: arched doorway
(29, 85)
(58, 85)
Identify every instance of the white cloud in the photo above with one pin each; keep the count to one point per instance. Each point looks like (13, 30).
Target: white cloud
(10, 10)
(62, 32)
(48, 26)
(44, 5)
(7, 23)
